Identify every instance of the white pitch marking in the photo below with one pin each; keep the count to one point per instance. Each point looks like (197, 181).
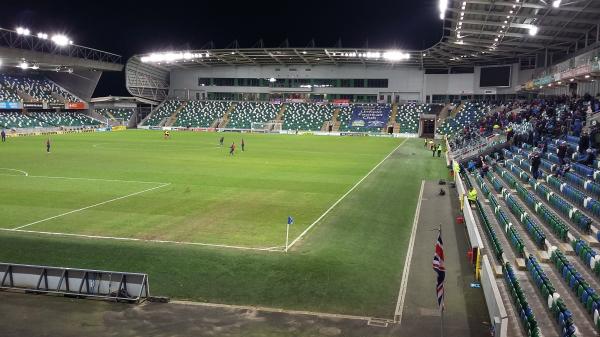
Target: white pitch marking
(406, 271)
(344, 196)
(140, 240)
(95, 205)
(14, 170)
(87, 179)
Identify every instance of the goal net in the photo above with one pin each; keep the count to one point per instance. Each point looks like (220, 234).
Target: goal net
(266, 127)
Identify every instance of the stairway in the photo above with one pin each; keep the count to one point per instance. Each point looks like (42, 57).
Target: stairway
(279, 117)
(225, 119)
(26, 97)
(143, 121)
(334, 122)
(444, 113)
(457, 109)
(173, 118)
(394, 113)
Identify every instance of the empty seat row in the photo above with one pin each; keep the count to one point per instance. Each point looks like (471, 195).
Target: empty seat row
(581, 289)
(562, 206)
(512, 234)
(523, 309)
(247, 112)
(408, 116)
(562, 315)
(306, 116)
(201, 114)
(530, 224)
(38, 88)
(116, 113)
(556, 223)
(469, 115)
(17, 120)
(587, 255)
(165, 110)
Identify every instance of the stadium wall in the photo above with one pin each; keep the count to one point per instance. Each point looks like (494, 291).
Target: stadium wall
(468, 84)
(81, 83)
(406, 83)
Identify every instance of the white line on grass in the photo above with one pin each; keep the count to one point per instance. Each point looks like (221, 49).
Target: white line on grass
(95, 205)
(87, 179)
(280, 250)
(344, 196)
(406, 271)
(14, 170)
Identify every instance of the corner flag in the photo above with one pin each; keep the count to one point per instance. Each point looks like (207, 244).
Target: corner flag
(290, 220)
(440, 269)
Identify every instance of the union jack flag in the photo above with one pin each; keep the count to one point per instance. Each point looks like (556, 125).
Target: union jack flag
(440, 269)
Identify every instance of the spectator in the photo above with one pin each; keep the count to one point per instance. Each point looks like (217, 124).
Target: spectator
(535, 165)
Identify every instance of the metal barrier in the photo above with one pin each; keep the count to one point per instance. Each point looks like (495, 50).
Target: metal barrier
(86, 283)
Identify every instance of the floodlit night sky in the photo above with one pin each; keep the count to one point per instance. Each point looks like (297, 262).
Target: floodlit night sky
(131, 27)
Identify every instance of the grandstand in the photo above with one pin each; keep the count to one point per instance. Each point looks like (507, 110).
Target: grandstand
(246, 113)
(336, 216)
(304, 116)
(201, 114)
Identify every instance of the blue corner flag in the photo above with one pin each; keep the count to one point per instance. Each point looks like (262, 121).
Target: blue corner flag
(290, 220)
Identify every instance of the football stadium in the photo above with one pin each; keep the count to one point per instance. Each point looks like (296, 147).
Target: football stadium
(265, 189)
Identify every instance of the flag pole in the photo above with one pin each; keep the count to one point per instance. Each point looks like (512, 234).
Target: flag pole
(443, 300)
(287, 236)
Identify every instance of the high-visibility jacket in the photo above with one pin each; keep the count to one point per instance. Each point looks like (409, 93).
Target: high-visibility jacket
(456, 168)
(472, 195)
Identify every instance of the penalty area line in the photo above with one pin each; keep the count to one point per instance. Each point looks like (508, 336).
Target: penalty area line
(344, 196)
(91, 206)
(13, 170)
(103, 237)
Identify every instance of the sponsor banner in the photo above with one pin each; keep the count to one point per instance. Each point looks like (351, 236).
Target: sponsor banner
(203, 129)
(375, 116)
(9, 105)
(56, 105)
(33, 105)
(583, 70)
(275, 101)
(341, 102)
(119, 128)
(353, 134)
(76, 105)
(295, 100)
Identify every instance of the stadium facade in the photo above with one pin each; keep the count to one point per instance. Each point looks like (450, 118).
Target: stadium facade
(320, 79)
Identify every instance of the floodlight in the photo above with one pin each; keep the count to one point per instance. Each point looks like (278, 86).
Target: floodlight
(42, 36)
(35, 67)
(556, 3)
(23, 31)
(395, 55)
(533, 30)
(60, 40)
(24, 65)
(443, 6)
(587, 76)
(272, 80)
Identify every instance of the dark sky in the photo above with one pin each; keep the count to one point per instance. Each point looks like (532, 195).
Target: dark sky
(130, 27)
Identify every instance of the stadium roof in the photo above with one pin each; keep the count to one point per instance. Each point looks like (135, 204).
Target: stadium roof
(476, 32)
(47, 55)
(488, 31)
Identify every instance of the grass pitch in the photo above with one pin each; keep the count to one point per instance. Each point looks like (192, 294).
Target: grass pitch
(351, 262)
